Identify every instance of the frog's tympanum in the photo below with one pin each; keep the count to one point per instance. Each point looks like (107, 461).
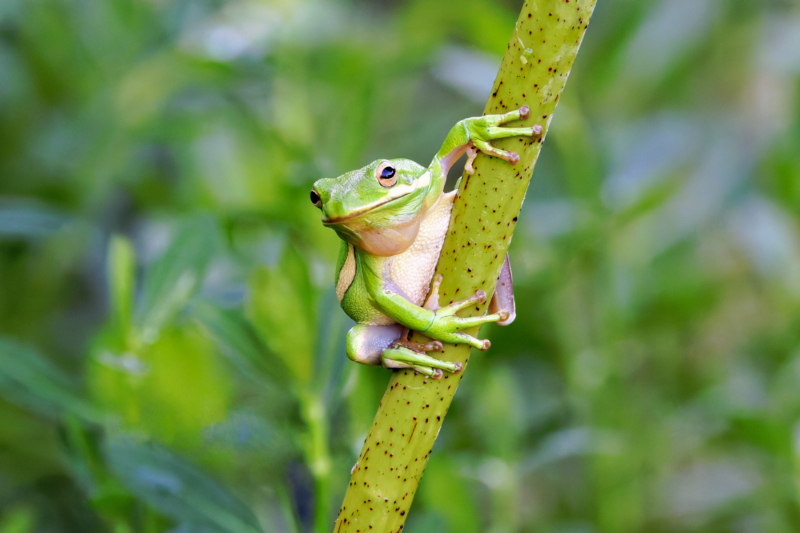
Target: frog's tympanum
(392, 216)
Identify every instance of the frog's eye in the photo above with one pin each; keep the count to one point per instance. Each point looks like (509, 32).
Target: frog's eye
(386, 174)
(315, 198)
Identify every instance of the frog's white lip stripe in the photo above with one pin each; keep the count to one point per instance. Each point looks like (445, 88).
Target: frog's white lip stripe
(361, 211)
(397, 193)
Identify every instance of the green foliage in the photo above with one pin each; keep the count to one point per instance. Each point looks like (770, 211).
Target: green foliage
(171, 349)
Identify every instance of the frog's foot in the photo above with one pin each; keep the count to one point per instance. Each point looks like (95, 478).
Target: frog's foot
(448, 327)
(422, 347)
(482, 130)
(472, 153)
(399, 356)
(432, 301)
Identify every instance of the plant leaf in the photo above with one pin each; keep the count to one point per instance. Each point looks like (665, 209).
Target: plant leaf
(177, 488)
(239, 342)
(174, 277)
(33, 383)
(121, 279)
(281, 309)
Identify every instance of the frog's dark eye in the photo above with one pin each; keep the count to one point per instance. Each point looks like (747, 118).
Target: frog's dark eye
(315, 198)
(386, 174)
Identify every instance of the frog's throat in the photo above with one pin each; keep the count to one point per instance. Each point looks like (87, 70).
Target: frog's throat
(397, 193)
(384, 241)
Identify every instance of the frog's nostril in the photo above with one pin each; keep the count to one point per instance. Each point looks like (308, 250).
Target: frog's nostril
(315, 198)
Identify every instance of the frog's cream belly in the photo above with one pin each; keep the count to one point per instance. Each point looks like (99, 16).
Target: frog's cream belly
(412, 270)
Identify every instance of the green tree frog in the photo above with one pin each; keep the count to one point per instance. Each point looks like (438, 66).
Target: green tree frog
(392, 217)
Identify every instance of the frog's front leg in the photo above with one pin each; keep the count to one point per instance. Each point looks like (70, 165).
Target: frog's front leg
(476, 133)
(482, 130)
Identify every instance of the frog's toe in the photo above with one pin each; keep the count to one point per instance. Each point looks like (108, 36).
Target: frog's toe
(398, 356)
(434, 346)
(479, 297)
(487, 148)
(430, 346)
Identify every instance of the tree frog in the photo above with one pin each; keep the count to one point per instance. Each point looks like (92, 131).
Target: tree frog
(392, 217)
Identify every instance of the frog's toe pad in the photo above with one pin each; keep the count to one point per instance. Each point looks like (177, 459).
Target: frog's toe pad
(433, 346)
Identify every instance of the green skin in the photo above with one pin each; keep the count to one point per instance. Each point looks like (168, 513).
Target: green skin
(377, 212)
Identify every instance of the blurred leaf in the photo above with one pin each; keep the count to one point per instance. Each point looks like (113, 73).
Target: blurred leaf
(121, 279)
(330, 360)
(444, 490)
(172, 279)
(240, 342)
(32, 382)
(28, 219)
(498, 410)
(181, 388)
(282, 310)
(20, 520)
(572, 442)
(177, 488)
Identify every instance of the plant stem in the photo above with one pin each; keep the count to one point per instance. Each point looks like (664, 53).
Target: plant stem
(318, 457)
(537, 62)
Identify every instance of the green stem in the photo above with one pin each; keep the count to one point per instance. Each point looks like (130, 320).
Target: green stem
(537, 62)
(318, 458)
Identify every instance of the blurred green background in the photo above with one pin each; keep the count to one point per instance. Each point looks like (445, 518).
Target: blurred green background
(171, 351)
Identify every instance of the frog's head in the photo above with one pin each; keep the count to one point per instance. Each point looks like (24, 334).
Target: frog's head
(377, 208)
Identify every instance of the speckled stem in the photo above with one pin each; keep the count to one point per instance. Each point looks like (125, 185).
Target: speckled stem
(533, 73)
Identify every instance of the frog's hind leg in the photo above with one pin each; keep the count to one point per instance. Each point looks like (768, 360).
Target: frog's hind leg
(405, 354)
(388, 346)
(365, 344)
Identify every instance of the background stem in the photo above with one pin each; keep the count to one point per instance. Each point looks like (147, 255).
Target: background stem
(537, 62)
(318, 458)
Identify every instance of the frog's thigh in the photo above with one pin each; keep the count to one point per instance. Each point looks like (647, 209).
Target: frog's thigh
(365, 344)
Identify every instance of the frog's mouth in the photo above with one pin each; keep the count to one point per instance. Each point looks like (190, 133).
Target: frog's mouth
(327, 221)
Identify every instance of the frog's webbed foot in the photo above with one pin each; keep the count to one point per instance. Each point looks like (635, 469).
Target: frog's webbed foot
(389, 346)
(403, 353)
(432, 301)
(472, 153)
(399, 356)
(484, 129)
(447, 326)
